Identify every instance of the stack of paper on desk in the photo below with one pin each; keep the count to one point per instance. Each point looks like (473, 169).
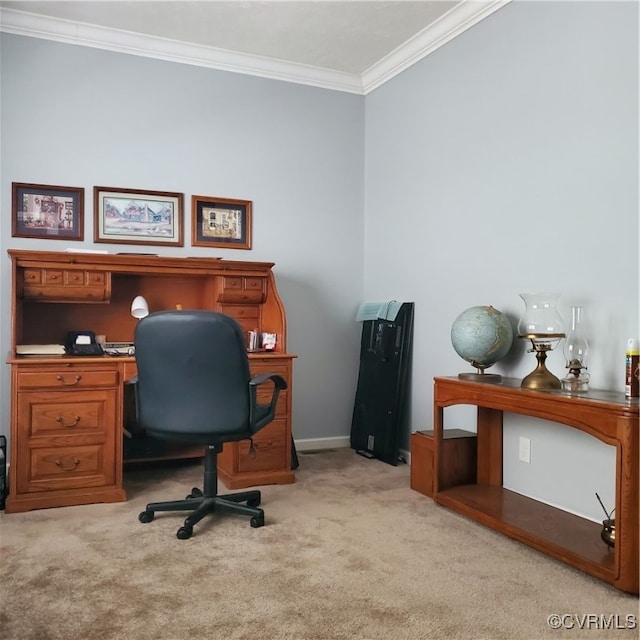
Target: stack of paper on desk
(40, 350)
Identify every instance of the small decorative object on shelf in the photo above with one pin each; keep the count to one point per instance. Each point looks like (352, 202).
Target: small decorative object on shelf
(608, 533)
(632, 369)
(575, 352)
(542, 325)
(481, 335)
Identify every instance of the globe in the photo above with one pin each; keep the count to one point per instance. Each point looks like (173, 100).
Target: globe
(481, 335)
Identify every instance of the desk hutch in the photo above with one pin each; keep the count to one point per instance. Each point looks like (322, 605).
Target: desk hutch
(67, 412)
(607, 416)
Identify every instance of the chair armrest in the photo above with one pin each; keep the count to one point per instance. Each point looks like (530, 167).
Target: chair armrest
(261, 415)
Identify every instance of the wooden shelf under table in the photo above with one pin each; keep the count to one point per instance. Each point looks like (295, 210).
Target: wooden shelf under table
(557, 533)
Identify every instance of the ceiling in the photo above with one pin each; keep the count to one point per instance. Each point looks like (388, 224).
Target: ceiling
(352, 45)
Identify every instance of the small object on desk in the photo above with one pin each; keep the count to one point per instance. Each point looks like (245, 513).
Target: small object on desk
(82, 343)
(40, 350)
(253, 344)
(269, 341)
(119, 348)
(103, 251)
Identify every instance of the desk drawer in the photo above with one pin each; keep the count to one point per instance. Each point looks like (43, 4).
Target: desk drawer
(67, 440)
(270, 449)
(243, 289)
(271, 365)
(57, 468)
(247, 316)
(67, 378)
(64, 416)
(67, 285)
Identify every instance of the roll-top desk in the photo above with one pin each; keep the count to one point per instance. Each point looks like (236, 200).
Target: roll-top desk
(66, 444)
(605, 415)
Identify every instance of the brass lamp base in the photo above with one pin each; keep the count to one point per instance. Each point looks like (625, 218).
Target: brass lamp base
(541, 377)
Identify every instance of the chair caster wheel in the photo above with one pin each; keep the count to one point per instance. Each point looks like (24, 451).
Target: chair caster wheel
(257, 521)
(195, 493)
(146, 516)
(255, 502)
(184, 533)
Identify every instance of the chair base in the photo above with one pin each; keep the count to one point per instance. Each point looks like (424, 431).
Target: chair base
(202, 503)
(201, 506)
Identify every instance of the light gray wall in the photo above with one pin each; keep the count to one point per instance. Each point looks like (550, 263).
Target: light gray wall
(507, 162)
(81, 117)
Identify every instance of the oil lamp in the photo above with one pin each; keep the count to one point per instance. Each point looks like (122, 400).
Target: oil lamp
(541, 324)
(575, 350)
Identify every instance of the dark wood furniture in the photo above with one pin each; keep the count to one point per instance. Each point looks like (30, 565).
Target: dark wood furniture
(607, 416)
(458, 464)
(66, 443)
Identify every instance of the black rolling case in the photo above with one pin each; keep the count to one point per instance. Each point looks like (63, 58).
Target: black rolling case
(381, 405)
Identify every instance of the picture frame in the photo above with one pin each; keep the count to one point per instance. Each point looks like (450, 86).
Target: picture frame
(47, 211)
(224, 223)
(138, 216)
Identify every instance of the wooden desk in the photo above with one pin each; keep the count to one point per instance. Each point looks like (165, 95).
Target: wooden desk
(607, 416)
(66, 444)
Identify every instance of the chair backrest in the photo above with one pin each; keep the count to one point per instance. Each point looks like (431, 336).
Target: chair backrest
(193, 376)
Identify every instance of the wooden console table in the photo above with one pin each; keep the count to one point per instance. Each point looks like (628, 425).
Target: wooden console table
(67, 412)
(607, 416)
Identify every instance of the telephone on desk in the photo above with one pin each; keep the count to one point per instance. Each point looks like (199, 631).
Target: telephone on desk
(83, 343)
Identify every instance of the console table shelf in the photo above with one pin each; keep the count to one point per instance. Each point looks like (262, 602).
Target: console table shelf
(608, 416)
(555, 532)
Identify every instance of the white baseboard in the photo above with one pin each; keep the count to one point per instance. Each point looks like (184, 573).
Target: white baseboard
(320, 444)
(316, 444)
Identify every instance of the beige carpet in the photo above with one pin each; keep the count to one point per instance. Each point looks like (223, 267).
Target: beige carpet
(349, 551)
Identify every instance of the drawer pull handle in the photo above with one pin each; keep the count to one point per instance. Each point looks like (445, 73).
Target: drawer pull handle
(68, 384)
(70, 465)
(60, 419)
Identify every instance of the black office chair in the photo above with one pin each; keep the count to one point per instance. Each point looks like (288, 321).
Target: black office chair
(194, 386)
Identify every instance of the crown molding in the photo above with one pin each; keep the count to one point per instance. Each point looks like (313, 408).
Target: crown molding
(137, 44)
(454, 22)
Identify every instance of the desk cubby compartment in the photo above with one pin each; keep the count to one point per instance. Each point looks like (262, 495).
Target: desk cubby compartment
(66, 285)
(458, 459)
(243, 290)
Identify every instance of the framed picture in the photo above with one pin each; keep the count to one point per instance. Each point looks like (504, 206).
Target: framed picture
(220, 222)
(134, 216)
(45, 211)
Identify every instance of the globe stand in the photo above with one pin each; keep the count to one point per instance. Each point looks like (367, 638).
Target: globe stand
(480, 375)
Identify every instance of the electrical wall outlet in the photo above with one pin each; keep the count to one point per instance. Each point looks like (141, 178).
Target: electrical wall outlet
(524, 451)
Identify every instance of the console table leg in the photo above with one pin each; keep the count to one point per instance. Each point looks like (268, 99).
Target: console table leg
(489, 428)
